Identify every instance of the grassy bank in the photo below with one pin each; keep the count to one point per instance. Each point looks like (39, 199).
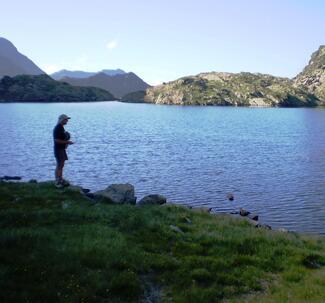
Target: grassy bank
(57, 246)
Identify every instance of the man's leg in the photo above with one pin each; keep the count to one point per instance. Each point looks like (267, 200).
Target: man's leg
(59, 170)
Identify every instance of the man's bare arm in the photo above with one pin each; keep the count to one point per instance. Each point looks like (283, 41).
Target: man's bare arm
(63, 141)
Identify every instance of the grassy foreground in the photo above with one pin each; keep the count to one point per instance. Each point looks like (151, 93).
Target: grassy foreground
(57, 246)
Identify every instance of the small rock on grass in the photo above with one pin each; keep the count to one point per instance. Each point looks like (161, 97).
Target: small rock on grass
(153, 200)
(253, 217)
(264, 226)
(202, 209)
(176, 229)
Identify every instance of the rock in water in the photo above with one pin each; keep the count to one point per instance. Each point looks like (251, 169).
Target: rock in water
(153, 200)
(244, 212)
(230, 197)
(117, 193)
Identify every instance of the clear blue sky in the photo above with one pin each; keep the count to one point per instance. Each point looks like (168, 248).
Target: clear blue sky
(167, 39)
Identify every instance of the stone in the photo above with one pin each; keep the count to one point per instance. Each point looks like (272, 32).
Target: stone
(283, 230)
(65, 205)
(244, 212)
(176, 229)
(265, 226)
(90, 195)
(117, 194)
(230, 197)
(248, 220)
(75, 188)
(153, 200)
(253, 217)
(85, 190)
(234, 212)
(202, 209)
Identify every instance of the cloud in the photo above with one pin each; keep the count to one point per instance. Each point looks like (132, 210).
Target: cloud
(112, 44)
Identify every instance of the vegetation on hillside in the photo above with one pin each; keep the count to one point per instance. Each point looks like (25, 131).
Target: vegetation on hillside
(43, 88)
(243, 89)
(59, 246)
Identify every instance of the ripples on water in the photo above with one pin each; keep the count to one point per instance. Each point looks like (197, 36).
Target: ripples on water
(271, 159)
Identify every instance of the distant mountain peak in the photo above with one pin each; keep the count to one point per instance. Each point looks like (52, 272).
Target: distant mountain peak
(6, 45)
(118, 84)
(112, 72)
(64, 73)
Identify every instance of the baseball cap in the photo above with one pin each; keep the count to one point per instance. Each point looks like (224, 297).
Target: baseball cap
(63, 117)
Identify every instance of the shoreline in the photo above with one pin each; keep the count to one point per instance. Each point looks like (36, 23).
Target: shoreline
(164, 104)
(93, 197)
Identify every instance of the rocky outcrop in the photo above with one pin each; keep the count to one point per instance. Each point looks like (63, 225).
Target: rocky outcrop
(312, 77)
(117, 194)
(243, 89)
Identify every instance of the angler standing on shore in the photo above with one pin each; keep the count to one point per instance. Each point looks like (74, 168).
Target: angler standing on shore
(61, 142)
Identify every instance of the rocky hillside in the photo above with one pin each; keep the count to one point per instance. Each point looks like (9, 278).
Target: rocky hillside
(313, 75)
(43, 88)
(119, 84)
(13, 63)
(243, 89)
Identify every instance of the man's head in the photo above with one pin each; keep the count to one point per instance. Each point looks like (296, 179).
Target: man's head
(63, 119)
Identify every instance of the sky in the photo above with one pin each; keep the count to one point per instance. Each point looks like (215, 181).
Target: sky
(164, 40)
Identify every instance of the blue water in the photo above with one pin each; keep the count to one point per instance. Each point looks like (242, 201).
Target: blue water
(271, 159)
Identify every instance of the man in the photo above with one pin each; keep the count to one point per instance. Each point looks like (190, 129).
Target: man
(61, 141)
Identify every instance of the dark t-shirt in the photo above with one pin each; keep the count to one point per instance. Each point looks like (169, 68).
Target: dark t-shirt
(59, 133)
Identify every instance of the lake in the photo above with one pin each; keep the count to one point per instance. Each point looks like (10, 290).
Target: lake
(271, 159)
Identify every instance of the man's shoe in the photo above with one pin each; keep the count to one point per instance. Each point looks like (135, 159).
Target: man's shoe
(65, 182)
(58, 184)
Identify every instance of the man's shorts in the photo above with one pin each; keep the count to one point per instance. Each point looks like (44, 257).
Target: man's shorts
(60, 156)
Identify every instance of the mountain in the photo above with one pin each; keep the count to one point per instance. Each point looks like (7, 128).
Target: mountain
(13, 63)
(80, 74)
(242, 89)
(313, 76)
(44, 88)
(118, 85)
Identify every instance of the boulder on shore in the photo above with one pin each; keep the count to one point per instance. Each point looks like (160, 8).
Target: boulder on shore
(117, 194)
(153, 200)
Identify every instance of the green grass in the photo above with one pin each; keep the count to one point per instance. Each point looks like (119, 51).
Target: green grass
(56, 246)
